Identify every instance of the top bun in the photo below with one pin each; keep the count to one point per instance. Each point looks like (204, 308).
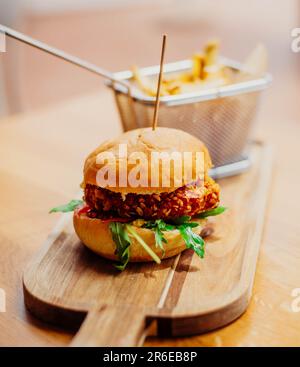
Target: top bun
(146, 141)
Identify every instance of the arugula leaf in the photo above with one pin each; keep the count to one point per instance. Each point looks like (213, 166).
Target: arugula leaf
(143, 243)
(159, 239)
(183, 225)
(122, 241)
(181, 220)
(158, 226)
(190, 224)
(159, 223)
(212, 212)
(184, 221)
(70, 207)
(192, 240)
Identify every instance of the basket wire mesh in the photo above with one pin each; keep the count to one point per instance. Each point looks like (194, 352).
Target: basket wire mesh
(222, 119)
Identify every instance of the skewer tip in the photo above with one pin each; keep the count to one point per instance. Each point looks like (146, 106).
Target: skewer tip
(155, 115)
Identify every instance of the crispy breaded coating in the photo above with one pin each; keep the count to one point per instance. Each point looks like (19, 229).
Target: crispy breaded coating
(187, 200)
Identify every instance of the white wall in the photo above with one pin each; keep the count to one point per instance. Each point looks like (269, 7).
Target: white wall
(44, 6)
(3, 101)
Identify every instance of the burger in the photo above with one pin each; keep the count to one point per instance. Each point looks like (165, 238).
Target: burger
(147, 196)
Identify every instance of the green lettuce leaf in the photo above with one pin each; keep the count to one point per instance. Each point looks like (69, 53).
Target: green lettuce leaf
(210, 213)
(192, 240)
(122, 241)
(143, 243)
(70, 207)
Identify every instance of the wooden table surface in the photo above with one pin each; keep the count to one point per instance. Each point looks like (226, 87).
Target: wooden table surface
(41, 166)
(42, 154)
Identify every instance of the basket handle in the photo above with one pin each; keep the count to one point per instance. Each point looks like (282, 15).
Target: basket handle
(63, 55)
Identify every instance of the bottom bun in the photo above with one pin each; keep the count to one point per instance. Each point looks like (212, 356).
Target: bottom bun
(95, 234)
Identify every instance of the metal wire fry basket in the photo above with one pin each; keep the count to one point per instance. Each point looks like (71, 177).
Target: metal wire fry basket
(221, 117)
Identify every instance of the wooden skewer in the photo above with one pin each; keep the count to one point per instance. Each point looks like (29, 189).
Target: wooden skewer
(155, 116)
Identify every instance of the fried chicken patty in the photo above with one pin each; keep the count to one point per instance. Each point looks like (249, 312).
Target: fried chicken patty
(187, 200)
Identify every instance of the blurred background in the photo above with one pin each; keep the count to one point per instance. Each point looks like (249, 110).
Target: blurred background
(116, 34)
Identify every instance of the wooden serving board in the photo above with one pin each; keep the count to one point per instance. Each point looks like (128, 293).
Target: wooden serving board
(68, 285)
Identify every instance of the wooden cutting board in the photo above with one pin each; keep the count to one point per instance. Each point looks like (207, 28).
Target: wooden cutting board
(68, 285)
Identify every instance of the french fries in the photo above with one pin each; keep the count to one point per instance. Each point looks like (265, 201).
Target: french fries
(143, 83)
(198, 66)
(205, 68)
(206, 72)
(211, 53)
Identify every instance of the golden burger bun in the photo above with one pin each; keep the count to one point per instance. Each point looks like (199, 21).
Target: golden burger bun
(96, 235)
(146, 141)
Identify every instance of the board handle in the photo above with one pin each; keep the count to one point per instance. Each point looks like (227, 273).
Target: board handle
(109, 326)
